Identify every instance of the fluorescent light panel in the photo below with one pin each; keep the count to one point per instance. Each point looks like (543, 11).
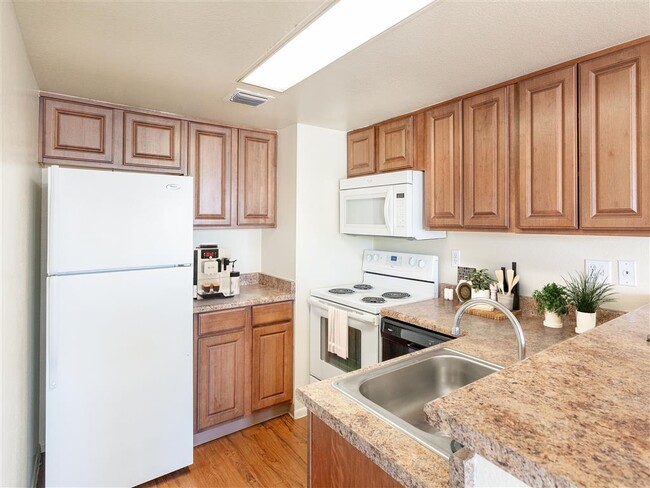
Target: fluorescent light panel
(342, 28)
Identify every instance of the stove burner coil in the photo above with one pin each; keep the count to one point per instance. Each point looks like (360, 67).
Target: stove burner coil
(395, 295)
(373, 300)
(341, 291)
(362, 286)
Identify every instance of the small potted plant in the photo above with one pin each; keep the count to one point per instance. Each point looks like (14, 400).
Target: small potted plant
(586, 292)
(552, 302)
(480, 281)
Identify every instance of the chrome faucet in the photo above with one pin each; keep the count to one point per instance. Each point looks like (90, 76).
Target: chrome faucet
(521, 340)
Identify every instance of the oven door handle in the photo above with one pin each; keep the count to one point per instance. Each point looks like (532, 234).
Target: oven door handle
(362, 316)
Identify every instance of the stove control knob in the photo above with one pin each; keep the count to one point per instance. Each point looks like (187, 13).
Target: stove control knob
(375, 257)
(368, 257)
(421, 264)
(411, 261)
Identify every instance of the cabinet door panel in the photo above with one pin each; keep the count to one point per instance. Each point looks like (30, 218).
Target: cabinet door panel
(221, 378)
(485, 160)
(443, 174)
(153, 143)
(548, 173)
(256, 178)
(211, 163)
(615, 140)
(272, 365)
(361, 152)
(76, 133)
(395, 145)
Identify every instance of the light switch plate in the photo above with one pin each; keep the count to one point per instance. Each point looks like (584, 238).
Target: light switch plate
(627, 273)
(602, 268)
(455, 257)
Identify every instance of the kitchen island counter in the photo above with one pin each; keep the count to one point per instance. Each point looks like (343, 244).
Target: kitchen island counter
(255, 289)
(403, 458)
(409, 462)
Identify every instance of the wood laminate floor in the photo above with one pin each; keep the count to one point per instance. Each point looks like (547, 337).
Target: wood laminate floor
(272, 454)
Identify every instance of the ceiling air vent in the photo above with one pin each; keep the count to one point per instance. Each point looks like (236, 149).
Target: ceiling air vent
(248, 98)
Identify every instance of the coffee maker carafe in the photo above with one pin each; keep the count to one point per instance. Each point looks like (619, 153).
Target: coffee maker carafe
(212, 268)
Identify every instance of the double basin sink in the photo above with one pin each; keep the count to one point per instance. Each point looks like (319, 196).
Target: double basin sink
(398, 391)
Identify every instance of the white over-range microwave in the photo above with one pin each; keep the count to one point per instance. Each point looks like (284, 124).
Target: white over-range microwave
(386, 204)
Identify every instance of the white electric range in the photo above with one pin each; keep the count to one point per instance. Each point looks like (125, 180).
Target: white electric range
(389, 278)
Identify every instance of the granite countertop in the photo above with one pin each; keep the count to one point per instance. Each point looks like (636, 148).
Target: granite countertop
(400, 456)
(255, 289)
(576, 414)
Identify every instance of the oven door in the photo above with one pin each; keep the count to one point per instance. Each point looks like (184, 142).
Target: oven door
(367, 211)
(363, 340)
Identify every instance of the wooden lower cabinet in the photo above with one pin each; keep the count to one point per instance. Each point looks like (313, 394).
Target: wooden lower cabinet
(272, 365)
(221, 378)
(243, 363)
(334, 462)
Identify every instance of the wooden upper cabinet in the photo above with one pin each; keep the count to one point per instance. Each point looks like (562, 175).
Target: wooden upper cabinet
(76, 133)
(395, 145)
(486, 160)
(361, 152)
(443, 176)
(154, 143)
(615, 140)
(548, 145)
(211, 164)
(256, 180)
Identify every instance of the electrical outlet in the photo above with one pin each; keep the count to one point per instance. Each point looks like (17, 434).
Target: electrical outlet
(455, 257)
(627, 273)
(603, 269)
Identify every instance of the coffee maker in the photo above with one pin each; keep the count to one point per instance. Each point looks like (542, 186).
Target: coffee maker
(212, 272)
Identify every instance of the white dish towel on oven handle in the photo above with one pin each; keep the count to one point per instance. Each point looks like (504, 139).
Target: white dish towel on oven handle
(337, 332)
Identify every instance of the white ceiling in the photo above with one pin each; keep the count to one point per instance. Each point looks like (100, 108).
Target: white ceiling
(186, 56)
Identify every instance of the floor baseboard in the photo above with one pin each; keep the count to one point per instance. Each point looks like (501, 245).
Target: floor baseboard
(298, 413)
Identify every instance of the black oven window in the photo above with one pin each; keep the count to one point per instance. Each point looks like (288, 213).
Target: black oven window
(353, 362)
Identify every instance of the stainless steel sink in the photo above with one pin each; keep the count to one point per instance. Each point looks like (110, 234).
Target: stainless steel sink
(398, 391)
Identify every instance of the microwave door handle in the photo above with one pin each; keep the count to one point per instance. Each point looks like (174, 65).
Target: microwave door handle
(388, 211)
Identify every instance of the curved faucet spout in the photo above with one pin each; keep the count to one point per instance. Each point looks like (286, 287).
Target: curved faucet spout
(521, 340)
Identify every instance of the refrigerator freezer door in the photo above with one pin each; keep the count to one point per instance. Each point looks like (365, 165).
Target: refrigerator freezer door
(118, 377)
(102, 220)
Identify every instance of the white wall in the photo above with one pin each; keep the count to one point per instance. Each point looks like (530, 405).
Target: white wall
(307, 246)
(279, 244)
(323, 256)
(20, 264)
(245, 245)
(540, 258)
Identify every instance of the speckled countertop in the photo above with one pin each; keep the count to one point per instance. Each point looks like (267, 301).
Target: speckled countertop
(403, 458)
(576, 414)
(255, 289)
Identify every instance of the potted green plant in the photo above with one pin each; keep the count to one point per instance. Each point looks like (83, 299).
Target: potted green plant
(552, 302)
(586, 292)
(480, 280)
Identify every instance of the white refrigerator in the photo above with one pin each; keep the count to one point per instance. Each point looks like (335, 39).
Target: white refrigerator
(118, 386)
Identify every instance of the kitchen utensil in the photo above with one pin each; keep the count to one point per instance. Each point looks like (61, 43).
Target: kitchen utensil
(510, 274)
(515, 291)
(514, 283)
(499, 273)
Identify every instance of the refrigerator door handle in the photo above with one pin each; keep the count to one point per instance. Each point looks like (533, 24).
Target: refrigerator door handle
(52, 349)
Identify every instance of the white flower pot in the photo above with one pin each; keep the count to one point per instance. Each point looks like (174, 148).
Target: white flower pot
(482, 294)
(552, 320)
(585, 322)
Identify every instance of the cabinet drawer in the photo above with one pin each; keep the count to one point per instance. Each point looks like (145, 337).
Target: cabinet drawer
(213, 322)
(272, 313)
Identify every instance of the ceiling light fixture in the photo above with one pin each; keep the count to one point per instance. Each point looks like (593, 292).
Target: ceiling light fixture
(340, 29)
